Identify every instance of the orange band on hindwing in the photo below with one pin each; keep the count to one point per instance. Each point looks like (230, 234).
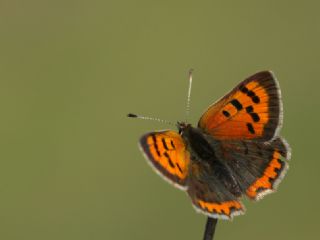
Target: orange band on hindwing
(267, 182)
(227, 209)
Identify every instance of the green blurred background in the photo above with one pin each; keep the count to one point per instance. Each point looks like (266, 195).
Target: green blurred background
(71, 70)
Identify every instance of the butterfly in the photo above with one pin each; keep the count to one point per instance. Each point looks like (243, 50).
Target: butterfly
(234, 151)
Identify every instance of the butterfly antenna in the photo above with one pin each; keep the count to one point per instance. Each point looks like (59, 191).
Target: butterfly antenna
(189, 95)
(131, 115)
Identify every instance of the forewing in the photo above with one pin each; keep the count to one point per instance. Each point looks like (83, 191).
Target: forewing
(258, 167)
(167, 154)
(252, 110)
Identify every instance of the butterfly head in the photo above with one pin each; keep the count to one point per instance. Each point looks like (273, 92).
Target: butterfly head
(183, 126)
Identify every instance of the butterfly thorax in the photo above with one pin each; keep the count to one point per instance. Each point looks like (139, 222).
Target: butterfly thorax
(200, 147)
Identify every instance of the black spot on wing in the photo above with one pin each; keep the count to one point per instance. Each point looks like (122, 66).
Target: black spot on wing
(250, 128)
(255, 117)
(226, 113)
(164, 144)
(156, 145)
(253, 96)
(180, 170)
(169, 159)
(172, 144)
(249, 109)
(244, 89)
(255, 99)
(236, 104)
(250, 93)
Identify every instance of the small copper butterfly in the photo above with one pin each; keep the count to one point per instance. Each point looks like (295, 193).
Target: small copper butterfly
(234, 151)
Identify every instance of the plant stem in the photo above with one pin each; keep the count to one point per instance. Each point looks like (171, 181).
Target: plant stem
(210, 228)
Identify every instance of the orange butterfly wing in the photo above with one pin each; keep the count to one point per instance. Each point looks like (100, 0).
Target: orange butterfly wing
(223, 210)
(167, 153)
(252, 110)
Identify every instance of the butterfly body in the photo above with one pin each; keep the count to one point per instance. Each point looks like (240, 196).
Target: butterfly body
(234, 151)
